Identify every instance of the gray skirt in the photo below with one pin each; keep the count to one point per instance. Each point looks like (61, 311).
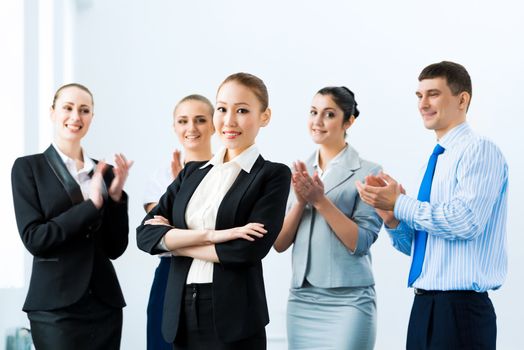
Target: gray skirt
(331, 318)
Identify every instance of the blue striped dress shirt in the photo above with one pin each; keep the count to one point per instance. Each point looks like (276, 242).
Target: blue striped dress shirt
(465, 218)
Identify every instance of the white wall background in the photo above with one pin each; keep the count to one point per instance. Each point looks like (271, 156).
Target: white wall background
(139, 57)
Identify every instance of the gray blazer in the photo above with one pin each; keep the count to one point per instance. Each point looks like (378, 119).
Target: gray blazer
(318, 254)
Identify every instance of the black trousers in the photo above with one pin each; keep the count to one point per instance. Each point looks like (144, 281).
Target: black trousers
(451, 320)
(88, 324)
(197, 329)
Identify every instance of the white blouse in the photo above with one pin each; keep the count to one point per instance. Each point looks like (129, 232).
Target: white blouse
(81, 176)
(201, 212)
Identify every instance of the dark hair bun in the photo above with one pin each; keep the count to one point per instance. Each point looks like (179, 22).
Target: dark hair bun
(356, 112)
(344, 98)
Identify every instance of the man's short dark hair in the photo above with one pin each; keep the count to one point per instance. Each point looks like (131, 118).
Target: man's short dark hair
(457, 77)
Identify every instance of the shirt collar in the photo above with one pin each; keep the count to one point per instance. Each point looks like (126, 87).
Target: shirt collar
(244, 160)
(70, 163)
(454, 135)
(333, 161)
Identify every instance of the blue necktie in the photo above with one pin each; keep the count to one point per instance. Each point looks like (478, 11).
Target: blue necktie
(421, 237)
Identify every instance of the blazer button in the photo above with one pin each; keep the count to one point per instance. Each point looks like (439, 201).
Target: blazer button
(88, 235)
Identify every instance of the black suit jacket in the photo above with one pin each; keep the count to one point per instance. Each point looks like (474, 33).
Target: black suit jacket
(71, 241)
(239, 300)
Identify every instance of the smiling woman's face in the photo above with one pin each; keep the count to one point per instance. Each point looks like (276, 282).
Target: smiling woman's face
(193, 124)
(238, 117)
(72, 114)
(326, 121)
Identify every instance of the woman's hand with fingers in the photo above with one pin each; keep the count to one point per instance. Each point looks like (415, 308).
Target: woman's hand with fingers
(96, 189)
(311, 189)
(121, 171)
(176, 163)
(298, 167)
(158, 220)
(248, 232)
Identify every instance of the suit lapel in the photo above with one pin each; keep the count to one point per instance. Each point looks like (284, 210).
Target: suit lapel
(345, 168)
(228, 206)
(187, 188)
(68, 182)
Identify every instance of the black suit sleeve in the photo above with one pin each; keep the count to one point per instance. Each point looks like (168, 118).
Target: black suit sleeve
(115, 227)
(39, 233)
(148, 236)
(269, 209)
(114, 231)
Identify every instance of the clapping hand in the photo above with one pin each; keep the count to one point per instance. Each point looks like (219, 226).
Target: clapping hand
(308, 189)
(176, 164)
(121, 171)
(381, 191)
(96, 189)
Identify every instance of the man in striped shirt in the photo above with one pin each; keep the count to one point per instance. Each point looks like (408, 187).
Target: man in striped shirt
(464, 221)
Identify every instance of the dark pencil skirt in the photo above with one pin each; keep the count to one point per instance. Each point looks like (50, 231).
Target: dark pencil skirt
(88, 324)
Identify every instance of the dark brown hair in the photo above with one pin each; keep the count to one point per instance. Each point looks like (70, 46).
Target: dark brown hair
(457, 77)
(343, 98)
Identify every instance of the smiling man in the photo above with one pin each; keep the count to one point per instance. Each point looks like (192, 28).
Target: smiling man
(455, 229)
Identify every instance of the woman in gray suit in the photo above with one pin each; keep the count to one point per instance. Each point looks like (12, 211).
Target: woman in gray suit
(332, 297)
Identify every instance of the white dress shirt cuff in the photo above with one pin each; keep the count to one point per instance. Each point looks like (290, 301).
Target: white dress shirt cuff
(405, 209)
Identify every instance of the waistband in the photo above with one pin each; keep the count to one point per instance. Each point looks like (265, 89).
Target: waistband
(198, 291)
(420, 291)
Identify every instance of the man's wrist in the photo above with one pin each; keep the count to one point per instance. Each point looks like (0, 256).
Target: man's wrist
(392, 223)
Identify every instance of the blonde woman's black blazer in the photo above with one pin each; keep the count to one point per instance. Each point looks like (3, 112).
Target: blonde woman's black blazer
(71, 241)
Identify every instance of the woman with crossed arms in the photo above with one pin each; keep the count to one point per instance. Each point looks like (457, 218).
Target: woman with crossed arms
(219, 219)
